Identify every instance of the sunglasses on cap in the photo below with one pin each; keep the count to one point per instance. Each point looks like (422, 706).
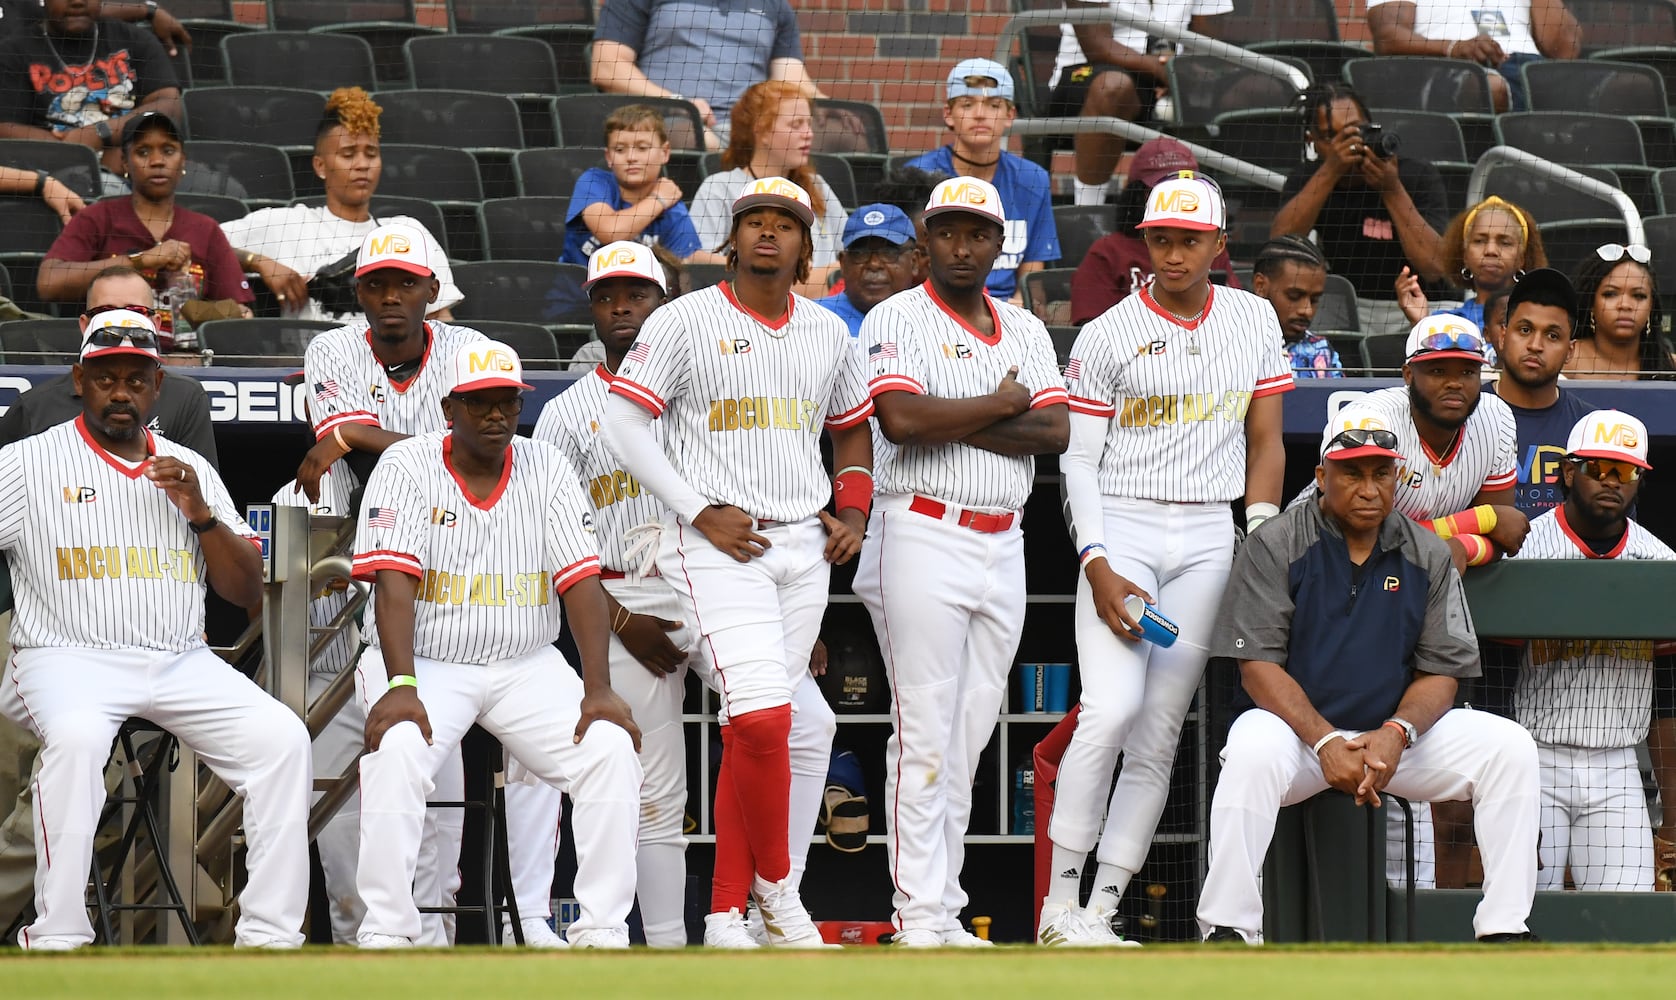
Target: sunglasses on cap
(1361, 437)
(1463, 341)
(113, 336)
(1611, 253)
(1599, 468)
(145, 311)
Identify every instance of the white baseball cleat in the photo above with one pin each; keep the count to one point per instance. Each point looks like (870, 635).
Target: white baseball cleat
(382, 942)
(783, 916)
(727, 930)
(1099, 921)
(753, 925)
(917, 937)
(600, 937)
(960, 937)
(1067, 925)
(536, 934)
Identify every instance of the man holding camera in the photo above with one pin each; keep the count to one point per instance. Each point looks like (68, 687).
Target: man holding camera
(1372, 212)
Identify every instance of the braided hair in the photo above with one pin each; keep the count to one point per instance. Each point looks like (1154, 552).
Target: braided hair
(1276, 253)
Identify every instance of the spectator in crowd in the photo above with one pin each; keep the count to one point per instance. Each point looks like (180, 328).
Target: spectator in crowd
(909, 188)
(1620, 334)
(1495, 321)
(1484, 249)
(297, 249)
(1116, 73)
(979, 109)
(631, 200)
(1291, 273)
(42, 185)
(1309, 721)
(78, 79)
(706, 52)
(880, 258)
(773, 137)
(182, 253)
(1503, 38)
(1118, 263)
(1371, 213)
(17, 16)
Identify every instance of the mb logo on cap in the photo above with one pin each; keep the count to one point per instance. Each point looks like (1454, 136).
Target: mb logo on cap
(394, 245)
(487, 364)
(624, 259)
(966, 194)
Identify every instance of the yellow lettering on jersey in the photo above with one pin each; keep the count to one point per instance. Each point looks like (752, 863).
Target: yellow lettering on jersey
(66, 565)
(613, 487)
(753, 413)
(488, 590)
(1549, 651)
(1187, 408)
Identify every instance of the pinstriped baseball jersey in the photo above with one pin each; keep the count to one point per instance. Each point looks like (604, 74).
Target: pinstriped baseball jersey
(1177, 393)
(916, 344)
(570, 422)
(746, 399)
(488, 570)
(334, 502)
(1595, 693)
(1484, 456)
(348, 385)
(99, 556)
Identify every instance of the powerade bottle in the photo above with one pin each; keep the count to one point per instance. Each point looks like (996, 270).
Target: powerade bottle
(1024, 801)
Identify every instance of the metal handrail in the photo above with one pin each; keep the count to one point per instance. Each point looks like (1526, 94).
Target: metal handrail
(1549, 170)
(1210, 159)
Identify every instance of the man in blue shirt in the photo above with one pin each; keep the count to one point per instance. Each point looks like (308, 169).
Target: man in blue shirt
(1351, 629)
(979, 110)
(880, 258)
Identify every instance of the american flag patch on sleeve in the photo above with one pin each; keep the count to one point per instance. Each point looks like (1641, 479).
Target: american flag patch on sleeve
(638, 353)
(326, 390)
(381, 517)
(880, 351)
(1073, 369)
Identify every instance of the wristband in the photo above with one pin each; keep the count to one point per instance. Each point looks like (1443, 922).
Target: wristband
(337, 435)
(1394, 724)
(852, 487)
(1323, 741)
(1091, 551)
(403, 681)
(1479, 550)
(1257, 513)
(1479, 520)
(41, 182)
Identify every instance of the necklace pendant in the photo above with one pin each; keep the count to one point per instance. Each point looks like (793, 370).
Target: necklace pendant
(1437, 471)
(1193, 349)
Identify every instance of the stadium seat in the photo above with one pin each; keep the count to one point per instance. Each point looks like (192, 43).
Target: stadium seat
(1659, 58)
(1208, 86)
(1079, 226)
(1254, 21)
(520, 68)
(524, 228)
(40, 341)
(1325, 59)
(1384, 354)
(1570, 243)
(263, 171)
(535, 344)
(489, 126)
(552, 173)
(1579, 139)
(1425, 135)
(1624, 89)
(1047, 294)
(1664, 186)
(264, 115)
(1268, 138)
(854, 130)
(209, 21)
(262, 342)
(1661, 239)
(27, 225)
(1064, 338)
(524, 291)
(1421, 83)
(219, 207)
(72, 164)
(580, 119)
(1546, 200)
(383, 24)
(301, 59)
(425, 171)
(695, 277)
(1349, 348)
(565, 25)
(1610, 24)
(1337, 310)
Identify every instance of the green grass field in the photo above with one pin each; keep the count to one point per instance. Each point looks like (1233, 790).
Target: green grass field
(1413, 973)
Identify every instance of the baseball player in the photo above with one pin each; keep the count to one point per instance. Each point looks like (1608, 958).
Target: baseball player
(471, 534)
(1589, 702)
(648, 655)
(113, 535)
(371, 384)
(967, 391)
(746, 374)
(1175, 412)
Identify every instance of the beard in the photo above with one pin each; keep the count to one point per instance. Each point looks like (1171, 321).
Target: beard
(121, 433)
(1419, 404)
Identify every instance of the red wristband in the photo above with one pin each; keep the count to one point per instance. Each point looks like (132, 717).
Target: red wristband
(853, 488)
(1479, 550)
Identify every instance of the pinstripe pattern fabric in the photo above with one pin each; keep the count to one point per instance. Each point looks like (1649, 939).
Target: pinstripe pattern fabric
(348, 385)
(99, 556)
(335, 485)
(746, 399)
(914, 343)
(1177, 393)
(570, 423)
(489, 571)
(1594, 693)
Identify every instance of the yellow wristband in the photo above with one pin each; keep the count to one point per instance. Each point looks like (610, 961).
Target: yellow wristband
(403, 681)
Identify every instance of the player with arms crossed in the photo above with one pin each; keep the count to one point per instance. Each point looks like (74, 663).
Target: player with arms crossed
(1175, 412)
(967, 390)
(113, 534)
(746, 374)
(463, 630)
(648, 659)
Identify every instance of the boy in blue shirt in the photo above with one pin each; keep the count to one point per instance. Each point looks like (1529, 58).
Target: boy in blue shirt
(632, 200)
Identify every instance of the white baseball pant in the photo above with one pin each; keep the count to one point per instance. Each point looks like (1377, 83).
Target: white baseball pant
(1595, 819)
(948, 608)
(75, 700)
(1467, 754)
(533, 810)
(757, 623)
(531, 704)
(1135, 695)
(339, 842)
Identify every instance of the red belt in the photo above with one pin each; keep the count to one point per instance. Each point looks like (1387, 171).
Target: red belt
(989, 524)
(617, 574)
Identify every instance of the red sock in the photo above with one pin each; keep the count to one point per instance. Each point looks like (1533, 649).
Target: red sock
(731, 885)
(762, 783)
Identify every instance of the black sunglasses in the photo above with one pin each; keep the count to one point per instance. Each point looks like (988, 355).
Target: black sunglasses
(1361, 437)
(481, 407)
(113, 336)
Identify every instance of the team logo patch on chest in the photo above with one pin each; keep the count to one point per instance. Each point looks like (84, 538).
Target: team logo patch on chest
(957, 352)
(735, 345)
(80, 494)
(444, 518)
(1152, 348)
(377, 392)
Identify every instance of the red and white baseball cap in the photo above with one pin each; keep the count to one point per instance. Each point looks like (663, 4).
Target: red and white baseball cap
(1609, 434)
(1444, 335)
(120, 331)
(776, 192)
(966, 194)
(395, 245)
(487, 364)
(1186, 203)
(625, 259)
(1356, 432)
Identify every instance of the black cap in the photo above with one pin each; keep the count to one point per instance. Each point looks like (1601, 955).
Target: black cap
(1545, 287)
(148, 120)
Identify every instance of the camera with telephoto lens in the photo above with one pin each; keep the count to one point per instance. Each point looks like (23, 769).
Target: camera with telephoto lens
(1379, 142)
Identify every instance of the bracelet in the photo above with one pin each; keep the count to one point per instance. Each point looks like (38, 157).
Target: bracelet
(1090, 552)
(403, 681)
(1394, 724)
(41, 182)
(1323, 741)
(337, 435)
(616, 623)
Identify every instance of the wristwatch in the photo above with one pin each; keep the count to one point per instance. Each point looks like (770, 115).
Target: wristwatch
(204, 527)
(103, 130)
(150, 10)
(1410, 734)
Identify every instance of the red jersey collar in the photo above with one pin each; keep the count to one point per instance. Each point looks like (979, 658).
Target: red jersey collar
(493, 498)
(402, 385)
(111, 460)
(772, 324)
(989, 303)
(1583, 546)
(1170, 317)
